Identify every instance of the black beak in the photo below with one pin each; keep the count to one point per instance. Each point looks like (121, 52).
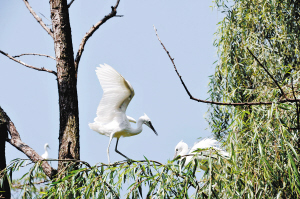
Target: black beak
(151, 127)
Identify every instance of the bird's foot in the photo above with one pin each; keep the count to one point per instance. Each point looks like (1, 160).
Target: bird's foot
(129, 161)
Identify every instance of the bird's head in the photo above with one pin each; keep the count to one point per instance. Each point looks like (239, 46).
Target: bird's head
(47, 146)
(181, 149)
(147, 121)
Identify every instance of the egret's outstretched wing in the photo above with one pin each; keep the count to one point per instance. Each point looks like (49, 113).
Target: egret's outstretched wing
(117, 93)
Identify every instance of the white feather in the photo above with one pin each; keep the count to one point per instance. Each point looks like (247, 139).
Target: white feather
(117, 93)
(182, 149)
(111, 117)
(45, 156)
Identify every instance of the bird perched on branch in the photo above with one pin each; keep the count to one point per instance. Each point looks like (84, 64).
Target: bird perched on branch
(111, 117)
(45, 156)
(206, 143)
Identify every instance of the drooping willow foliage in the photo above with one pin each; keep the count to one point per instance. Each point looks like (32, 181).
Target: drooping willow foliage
(264, 138)
(132, 179)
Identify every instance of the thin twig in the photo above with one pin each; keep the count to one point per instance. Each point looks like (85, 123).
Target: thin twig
(267, 73)
(49, 31)
(29, 66)
(137, 183)
(46, 18)
(70, 3)
(34, 54)
(213, 102)
(34, 183)
(125, 161)
(91, 32)
(70, 160)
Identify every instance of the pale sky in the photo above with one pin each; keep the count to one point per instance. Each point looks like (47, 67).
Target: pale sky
(129, 45)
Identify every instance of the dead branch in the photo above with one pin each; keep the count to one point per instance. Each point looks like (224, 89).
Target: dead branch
(29, 66)
(49, 31)
(34, 54)
(219, 103)
(70, 3)
(16, 141)
(267, 73)
(91, 32)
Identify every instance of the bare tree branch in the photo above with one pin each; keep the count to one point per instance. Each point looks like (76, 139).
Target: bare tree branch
(212, 102)
(49, 31)
(24, 148)
(29, 66)
(91, 32)
(267, 73)
(33, 54)
(70, 3)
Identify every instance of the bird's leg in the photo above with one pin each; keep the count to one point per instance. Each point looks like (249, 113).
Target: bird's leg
(119, 151)
(111, 136)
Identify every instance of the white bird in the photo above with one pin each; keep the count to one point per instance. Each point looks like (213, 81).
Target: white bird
(45, 156)
(182, 149)
(111, 117)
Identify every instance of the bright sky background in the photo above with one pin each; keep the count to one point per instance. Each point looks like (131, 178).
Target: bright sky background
(129, 45)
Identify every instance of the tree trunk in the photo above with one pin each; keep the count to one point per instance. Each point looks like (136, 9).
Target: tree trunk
(66, 79)
(4, 188)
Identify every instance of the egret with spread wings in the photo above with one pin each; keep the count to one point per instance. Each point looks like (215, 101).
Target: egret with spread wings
(111, 119)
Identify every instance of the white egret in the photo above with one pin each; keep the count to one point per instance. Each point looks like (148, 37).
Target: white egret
(45, 156)
(182, 149)
(111, 117)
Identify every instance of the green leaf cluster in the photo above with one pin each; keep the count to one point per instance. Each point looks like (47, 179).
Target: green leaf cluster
(263, 139)
(125, 179)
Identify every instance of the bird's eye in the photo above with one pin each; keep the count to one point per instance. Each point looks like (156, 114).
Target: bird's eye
(176, 149)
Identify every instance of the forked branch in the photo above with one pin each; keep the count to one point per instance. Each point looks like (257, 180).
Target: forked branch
(39, 20)
(70, 3)
(220, 103)
(29, 66)
(91, 32)
(16, 141)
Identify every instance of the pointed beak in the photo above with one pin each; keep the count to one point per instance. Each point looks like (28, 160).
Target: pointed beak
(175, 155)
(151, 127)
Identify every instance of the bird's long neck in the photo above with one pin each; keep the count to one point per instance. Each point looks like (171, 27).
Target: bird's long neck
(45, 147)
(139, 127)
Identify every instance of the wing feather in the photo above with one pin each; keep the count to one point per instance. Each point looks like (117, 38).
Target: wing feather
(117, 93)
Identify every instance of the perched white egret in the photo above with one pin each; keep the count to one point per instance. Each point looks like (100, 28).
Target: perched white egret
(182, 149)
(45, 156)
(111, 117)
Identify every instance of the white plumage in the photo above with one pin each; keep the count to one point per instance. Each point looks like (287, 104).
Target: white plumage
(182, 149)
(111, 117)
(45, 156)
